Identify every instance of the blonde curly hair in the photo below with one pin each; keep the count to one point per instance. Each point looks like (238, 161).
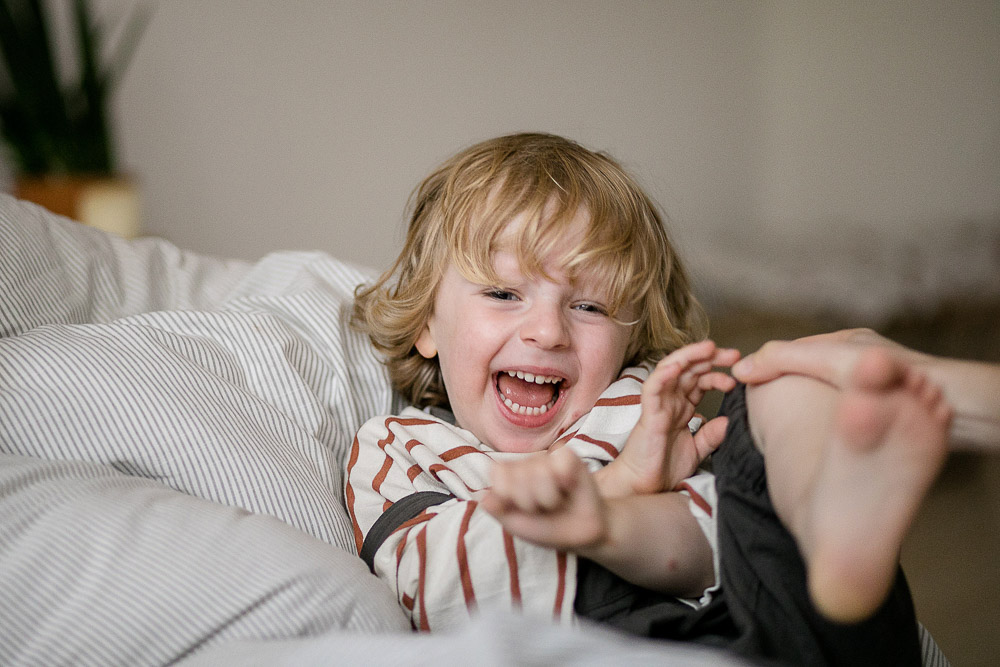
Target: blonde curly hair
(461, 211)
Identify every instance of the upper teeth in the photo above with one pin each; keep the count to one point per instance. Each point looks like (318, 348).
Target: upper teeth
(537, 379)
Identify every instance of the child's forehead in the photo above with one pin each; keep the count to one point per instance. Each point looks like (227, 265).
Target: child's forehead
(512, 266)
(533, 241)
(545, 238)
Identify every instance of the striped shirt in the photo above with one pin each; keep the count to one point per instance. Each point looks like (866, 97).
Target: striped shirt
(454, 558)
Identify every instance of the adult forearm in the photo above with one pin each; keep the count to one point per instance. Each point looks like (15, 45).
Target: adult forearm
(973, 390)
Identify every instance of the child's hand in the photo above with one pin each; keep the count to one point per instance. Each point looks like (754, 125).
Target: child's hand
(661, 451)
(549, 499)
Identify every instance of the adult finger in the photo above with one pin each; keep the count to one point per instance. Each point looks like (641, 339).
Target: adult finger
(829, 361)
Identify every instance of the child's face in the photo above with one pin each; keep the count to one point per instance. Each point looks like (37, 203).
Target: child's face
(551, 330)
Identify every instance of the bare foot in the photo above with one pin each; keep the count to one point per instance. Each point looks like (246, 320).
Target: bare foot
(889, 443)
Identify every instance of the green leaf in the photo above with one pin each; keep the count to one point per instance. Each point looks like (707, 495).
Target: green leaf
(128, 42)
(49, 126)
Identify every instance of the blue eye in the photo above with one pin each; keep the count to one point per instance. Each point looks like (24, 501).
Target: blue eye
(591, 308)
(500, 294)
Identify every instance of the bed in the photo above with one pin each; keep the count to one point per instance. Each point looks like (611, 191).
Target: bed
(172, 432)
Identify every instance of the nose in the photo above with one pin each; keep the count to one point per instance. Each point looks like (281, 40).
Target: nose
(545, 326)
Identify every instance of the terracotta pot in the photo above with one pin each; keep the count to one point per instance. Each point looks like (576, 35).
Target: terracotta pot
(111, 203)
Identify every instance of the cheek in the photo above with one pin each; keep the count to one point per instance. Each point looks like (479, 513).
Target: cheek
(466, 354)
(615, 343)
(608, 357)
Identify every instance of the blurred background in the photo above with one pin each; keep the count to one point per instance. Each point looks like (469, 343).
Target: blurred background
(821, 164)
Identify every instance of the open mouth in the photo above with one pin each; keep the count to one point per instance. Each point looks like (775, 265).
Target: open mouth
(528, 394)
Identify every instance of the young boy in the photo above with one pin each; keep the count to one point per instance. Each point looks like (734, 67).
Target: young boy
(534, 271)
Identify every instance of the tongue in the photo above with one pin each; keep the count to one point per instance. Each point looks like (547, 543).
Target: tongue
(528, 394)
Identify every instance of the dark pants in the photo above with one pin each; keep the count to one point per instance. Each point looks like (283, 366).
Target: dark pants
(763, 610)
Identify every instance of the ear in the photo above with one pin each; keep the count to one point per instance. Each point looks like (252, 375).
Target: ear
(425, 343)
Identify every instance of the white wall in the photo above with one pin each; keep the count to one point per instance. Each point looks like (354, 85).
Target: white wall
(763, 128)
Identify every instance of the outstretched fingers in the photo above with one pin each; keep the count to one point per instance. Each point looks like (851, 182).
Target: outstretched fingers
(702, 351)
(689, 371)
(660, 451)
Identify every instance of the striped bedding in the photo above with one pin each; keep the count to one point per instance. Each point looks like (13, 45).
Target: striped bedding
(172, 432)
(170, 423)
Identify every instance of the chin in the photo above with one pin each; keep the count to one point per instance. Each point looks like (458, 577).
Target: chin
(521, 446)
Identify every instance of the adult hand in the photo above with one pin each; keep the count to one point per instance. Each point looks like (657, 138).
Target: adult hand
(971, 387)
(828, 357)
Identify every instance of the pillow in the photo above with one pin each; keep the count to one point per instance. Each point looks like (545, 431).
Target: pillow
(252, 403)
(59, 271)
(171, 435)
(104, 568)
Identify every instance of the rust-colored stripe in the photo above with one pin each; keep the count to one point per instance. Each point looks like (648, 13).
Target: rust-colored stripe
(563, 439)
(698, 500)
(515, 582)
(561, 584)
(435, 468)
(420, 518)
(618, 401)
(382, 474)
(421, 556)
(389, 438)
(390, 435)
(406, 599)
(359, 538)
(421, 579)
(409, 421)
(400, 548)
(454, 453)
(606, 446)
(414, 471)
(463, 559)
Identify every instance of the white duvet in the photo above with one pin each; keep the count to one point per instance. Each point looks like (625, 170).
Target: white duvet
(172, 429)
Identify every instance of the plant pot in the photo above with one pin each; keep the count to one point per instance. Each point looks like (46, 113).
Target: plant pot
(110, 203)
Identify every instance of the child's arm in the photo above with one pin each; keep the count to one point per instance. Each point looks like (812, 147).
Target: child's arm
(661, 451)
(652, 540)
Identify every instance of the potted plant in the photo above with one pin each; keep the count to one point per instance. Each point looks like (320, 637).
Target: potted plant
(57, 128)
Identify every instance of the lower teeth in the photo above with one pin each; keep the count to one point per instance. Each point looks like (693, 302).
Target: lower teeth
(528, 411)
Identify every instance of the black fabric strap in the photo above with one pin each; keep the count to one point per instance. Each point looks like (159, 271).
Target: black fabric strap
(399, 513)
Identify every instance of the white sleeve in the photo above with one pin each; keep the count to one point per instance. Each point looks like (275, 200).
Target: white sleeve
(704, 505)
